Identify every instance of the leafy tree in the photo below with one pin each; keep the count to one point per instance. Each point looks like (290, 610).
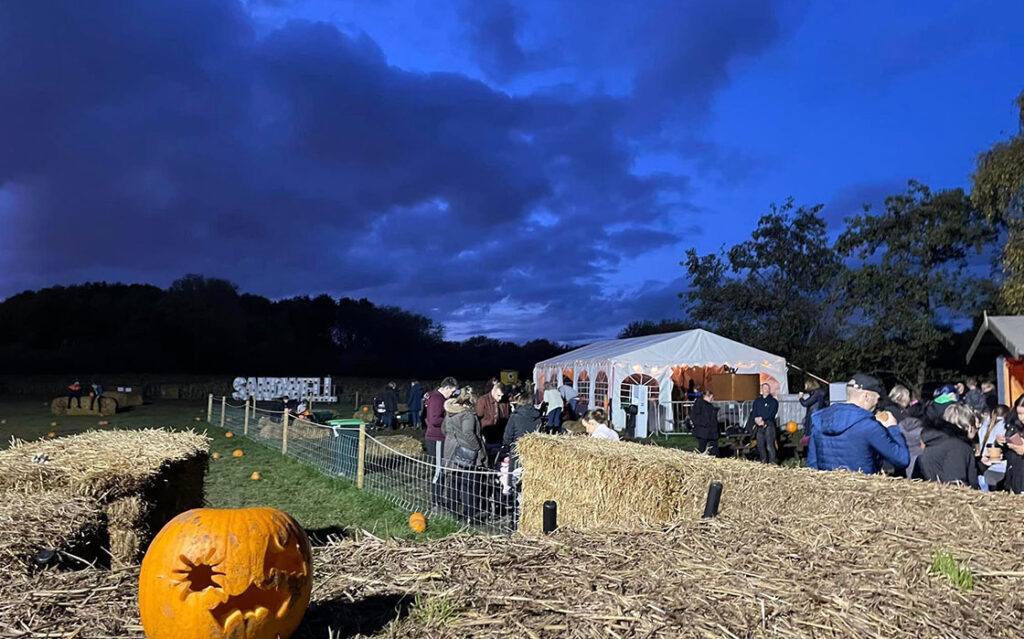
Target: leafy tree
(770, 291)
(909, 282)
(641, 328)
(999, 193)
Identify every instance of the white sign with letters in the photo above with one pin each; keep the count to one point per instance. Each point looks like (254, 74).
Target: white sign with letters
(270, 388)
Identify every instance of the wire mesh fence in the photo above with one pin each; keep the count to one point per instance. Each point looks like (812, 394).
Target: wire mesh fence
(482, 496)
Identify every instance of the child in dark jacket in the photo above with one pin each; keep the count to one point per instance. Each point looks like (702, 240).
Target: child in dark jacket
(948, 456)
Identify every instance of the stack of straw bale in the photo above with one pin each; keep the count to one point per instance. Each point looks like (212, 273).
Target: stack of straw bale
(140, 478)
(392, 445)
(58, 520)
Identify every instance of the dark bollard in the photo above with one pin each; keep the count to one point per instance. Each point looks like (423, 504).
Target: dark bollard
(550, 517)
(714, 497)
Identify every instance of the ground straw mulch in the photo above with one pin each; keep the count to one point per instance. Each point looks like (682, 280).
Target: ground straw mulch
(714, 578)
(141, 478)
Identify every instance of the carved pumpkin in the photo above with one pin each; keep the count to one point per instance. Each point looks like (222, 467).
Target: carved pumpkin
(229, 433)
(417, 522)
(226, 574)
(237, 453)
(792, 427)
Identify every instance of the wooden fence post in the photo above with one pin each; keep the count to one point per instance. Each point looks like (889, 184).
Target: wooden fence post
(209, 409)
(284, 434)
(360, 468)
(245, 430)
(223, 409)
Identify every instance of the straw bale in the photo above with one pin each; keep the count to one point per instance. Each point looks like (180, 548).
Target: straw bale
(106, 406)
(270, 429)
(125, 399)
(399, 445)
(142, 478)
(602, 486)
(716, 578)
(73, 525)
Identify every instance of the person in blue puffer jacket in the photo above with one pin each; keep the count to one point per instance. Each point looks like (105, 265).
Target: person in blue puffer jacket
(848, 436)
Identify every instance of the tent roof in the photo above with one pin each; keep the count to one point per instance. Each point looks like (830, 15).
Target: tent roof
(1009, 329)
(695, 347)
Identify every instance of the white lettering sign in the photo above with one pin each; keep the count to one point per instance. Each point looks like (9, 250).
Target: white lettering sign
(270, 388)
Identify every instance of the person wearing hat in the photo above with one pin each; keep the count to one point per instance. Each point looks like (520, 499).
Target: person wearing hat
(849, 436)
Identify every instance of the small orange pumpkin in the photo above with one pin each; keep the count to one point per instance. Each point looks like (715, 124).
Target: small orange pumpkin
(417, 522)
(3, 421)
(51, 434)
(792, 427)
(229, 434)
(53, 424)
(238, 453)
(215, 455)
(199, 419)
(103, 422)
(366, 409)
(226, 573)
(255, 476)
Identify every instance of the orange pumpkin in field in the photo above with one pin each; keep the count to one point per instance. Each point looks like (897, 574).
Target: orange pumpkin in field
(215, 455)
(51, 434)
(223, 574)
(255, 476)
(792, 427)
(237, 453)
(229, 434)
(53, 424)
(417, 522)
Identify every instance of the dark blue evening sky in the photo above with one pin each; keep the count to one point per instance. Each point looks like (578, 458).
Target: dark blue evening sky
(529, 169)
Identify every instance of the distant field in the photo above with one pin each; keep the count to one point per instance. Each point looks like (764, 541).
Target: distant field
(323, 505)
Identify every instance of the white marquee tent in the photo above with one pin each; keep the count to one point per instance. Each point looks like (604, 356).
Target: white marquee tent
(639, 370)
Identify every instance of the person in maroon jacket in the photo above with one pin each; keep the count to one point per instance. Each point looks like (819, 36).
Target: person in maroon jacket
(435, 434)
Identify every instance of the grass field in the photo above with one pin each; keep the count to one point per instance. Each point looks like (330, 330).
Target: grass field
(323, 505)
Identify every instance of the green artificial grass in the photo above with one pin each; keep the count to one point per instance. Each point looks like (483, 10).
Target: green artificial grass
(323, 505)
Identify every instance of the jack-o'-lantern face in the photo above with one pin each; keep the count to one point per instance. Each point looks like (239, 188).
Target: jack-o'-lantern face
(226, 574)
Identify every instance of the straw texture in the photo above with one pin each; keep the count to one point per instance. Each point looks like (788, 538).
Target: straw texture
(140, 478)
(49, 520)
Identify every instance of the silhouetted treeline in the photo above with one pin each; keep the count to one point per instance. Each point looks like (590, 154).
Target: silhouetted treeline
(204, 325)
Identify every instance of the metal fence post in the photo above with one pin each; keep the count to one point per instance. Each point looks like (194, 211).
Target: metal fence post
(245, 429)
(284, 434)
(223, 409)
(209, 409)
(360, 468)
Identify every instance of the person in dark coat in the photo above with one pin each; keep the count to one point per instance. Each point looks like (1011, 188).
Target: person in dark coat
(948, 456)
(414, 400)
(390, 398)
(814, 398)
(525, 419)
(75, 392)
(1013, 440)
(762, 422)
(848, 436)
(435, 431)
(704, 416)
(910, 427)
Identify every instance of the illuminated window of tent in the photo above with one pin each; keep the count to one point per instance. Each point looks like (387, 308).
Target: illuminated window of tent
(637, 379)
(600, 389)
(583, 387)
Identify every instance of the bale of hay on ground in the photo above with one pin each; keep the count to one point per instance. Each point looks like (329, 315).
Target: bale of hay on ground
(125, 399)
(30, 522)
(105, 406)
(141, 478)
(391, 445)
(269, 429)
(605, 486)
